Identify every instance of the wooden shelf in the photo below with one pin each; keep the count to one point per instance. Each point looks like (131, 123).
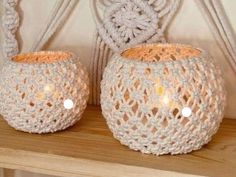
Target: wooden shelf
(88, 149)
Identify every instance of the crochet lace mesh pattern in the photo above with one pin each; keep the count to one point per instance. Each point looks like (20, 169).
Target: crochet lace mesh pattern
(146, 89)
(34, 87)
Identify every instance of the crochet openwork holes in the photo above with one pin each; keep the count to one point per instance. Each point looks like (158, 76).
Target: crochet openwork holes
(163, 98)
(43, 92)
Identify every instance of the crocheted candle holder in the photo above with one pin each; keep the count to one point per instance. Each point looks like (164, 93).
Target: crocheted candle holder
(43, 92)
(163, 98)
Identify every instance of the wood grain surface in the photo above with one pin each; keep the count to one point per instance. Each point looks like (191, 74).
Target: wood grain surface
(88, 149)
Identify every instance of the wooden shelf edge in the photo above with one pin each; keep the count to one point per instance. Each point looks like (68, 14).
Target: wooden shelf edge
(74, 167)
(88, 149)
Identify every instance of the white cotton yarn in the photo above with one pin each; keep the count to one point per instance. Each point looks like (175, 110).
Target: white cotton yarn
(10, 23)
(222, 30)
(43, 92)
(163, 98)
(131, 22)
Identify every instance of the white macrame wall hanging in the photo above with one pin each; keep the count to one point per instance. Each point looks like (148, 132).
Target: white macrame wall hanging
(221, 28)
(59, 14)
(10, 24)
(126, 23)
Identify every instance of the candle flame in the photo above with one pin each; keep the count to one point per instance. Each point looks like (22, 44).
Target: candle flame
(166, 100)
(160, 90)
(48, 88)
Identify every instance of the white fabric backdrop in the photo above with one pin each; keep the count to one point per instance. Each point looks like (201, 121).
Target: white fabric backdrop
(77, 35)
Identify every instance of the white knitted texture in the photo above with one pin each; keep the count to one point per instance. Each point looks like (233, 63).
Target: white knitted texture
(144, 94)
(10, 26)
(34, 87)
(130, 22)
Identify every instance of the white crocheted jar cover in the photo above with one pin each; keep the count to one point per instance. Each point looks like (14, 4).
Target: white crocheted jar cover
(35, 87)
(163, 98)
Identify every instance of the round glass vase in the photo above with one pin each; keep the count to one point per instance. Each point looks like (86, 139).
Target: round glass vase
(43, 92)
(163, 98)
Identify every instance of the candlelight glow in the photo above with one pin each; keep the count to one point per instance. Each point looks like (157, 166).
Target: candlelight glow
(166, 99)
(56, 94)
(48, 88)
(40, 96)
(160, 90)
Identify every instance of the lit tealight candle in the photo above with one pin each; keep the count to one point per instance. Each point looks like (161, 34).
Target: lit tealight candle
(166, 99)
(68, 104)
(48, 88)
(160, 90)
(186, 112)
